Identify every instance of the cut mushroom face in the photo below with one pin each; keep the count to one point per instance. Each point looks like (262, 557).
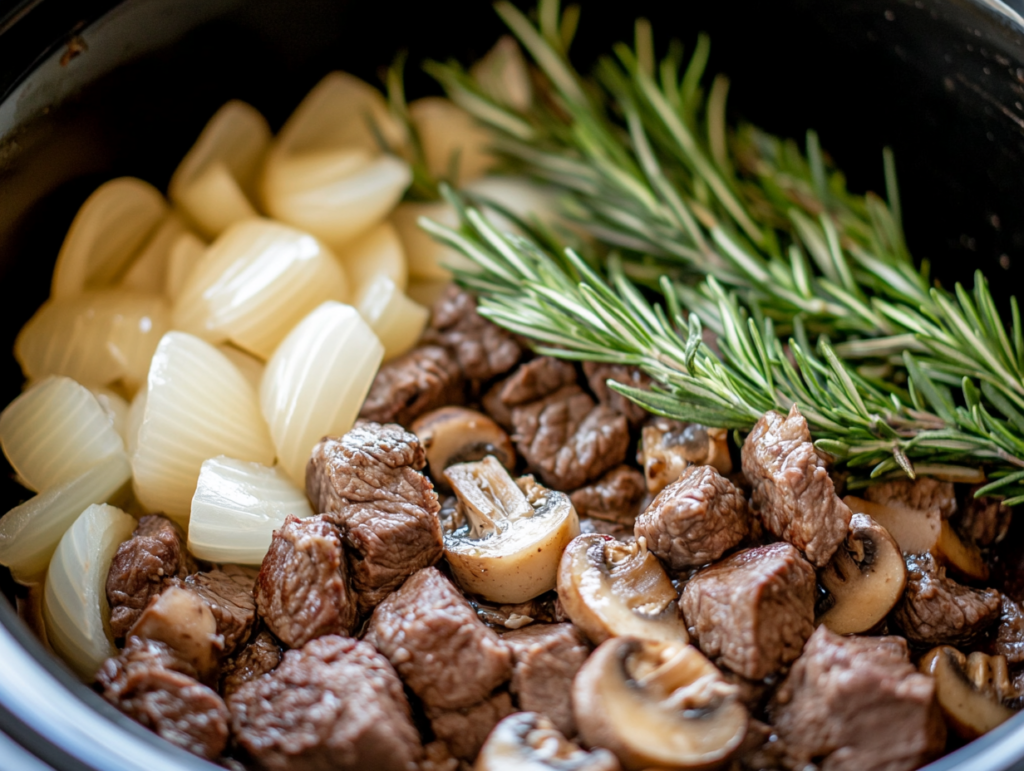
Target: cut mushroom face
(452, 435)
(865, 577)
(527, 741)
(970, 690)
(611, 589)
(508, 537)
(180, 619)
(669, 446)
(657, 705)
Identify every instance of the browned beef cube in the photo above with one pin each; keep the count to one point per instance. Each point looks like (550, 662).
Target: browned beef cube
(149, 682)
(228, 591)
(694, 520)
(615, 497)
(936, 610)
(753, 611)
(333, 705)
(465, 730)
(183, 621)
(792, 490)
(857, 703)
(302, 590)
(422, 380)
(923, 493)
(599, 373)
(984, 520)
(442, 651)
(536, 379)
(154, 553)
(368, 483)
(1009, 641)
(260, 656)
(546, 659)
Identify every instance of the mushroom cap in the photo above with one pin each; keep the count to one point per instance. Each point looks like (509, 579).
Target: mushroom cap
(657, 705)
(453, 435)
(969, 689)
(527, 741)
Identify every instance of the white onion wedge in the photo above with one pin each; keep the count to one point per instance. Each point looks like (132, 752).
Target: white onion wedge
(255, 283)
(215, 182)
(247, 364)
(95, 337)
(236, 508)
(136, 412)
(397, 321)
(427, 259)
(185, 254)
(29, 533)
(148, 271)
(451, 139)
(426, 293)
(316, 381)
(504, 76)
(75, 608)
(198, 405)
(117, 409)
(55, 431)
(376, 252)
(112, 225)
(520, 196)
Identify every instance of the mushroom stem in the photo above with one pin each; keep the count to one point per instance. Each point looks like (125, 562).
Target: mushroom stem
(490, 498)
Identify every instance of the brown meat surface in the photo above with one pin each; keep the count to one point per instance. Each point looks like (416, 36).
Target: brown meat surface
(923, 493)
(228, 591)
(857, 703)
(333, 705)
(1009, 640)
(984, 520)
(149, 683)
(421, 380)
(442, 651)
(368, 483)
(257, 658)
(694, 520)
(302, 591)
(465, 730)
(792, 491)
(753, 611)
(546, 658)
(536, 379)
(156, 551)
(936, 610)
(599, 373)
(182, 620)
(614, 497)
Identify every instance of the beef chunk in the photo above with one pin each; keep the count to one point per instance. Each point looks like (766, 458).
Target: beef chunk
(1009, 640)
(616, 530)
(443, 652)
(368, 483)
(792, 490)
(615, 497)
(465, 730)
(155, 552)
(182, 620)
(936, 610)
(546, 659)
(923, 493)
(984, 520)
(761, 750)
(856, 703)
(404, 388)
(599, 373)
(260, 656)
(333, 704)
(753, 611)
(228, 591)
(150, 683)
(536, 379)
(482, 349)
(694, 520)
(302, 591)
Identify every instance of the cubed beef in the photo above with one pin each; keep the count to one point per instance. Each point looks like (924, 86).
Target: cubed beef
(753, 611)
(694, 520)
(619, 532)
(495, 407)
(149, 683)
(599, 373)
(792, 491)
(302, 590)
(1009, 640)
(184, 622)
(761, 750)
(936, 610)
(465, 730)
(257, 658)
(536, 379)
(482, 349)
(984, 520)
(155, 552)
(333, 705)
(546, 658)
(614, 497)
(421, 380)
(228, 591)
(368, 483)
(924, 493)
(442, 651)
(857, 703)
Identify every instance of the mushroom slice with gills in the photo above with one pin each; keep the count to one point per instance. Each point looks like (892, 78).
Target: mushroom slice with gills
(512, 533)
(528, 741)
(970, 690)
(669, 446)
(866, 577)
(613, 589)
(658, 705)
(453, 435)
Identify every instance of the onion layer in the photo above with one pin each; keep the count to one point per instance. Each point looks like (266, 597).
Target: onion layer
(185, 254)
(451, 139)
(397, 321)
(117, 409)
(428, 259)
(376, 252)
(148, 271)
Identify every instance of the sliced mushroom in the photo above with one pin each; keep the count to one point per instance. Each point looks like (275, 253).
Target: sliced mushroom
(611, 589)
(919, 531)
(527, 741)
(453, 435)
(669, 446)
(657, 705)
(970, 690)
(866, 577)
(507, 536)
(181, 619)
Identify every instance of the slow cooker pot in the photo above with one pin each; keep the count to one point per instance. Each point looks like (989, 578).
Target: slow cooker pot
(97, 89)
